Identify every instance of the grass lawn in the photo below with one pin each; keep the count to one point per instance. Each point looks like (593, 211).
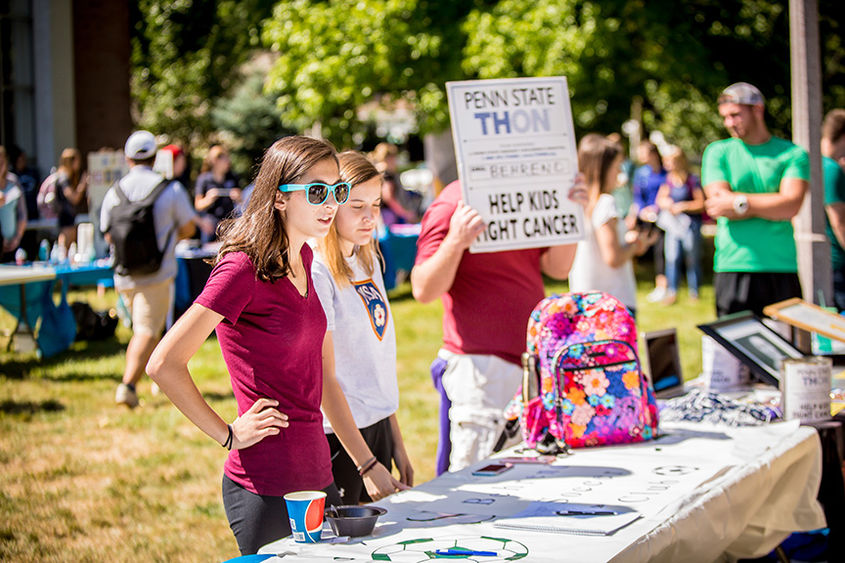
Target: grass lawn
(82, 479)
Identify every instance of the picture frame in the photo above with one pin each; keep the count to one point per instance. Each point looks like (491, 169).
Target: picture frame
(808, 316)
(752, 342)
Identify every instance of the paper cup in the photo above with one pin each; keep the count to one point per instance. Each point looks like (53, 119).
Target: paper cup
(305, 510)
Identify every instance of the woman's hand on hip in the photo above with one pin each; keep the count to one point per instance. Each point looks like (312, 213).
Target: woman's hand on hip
(261, 420)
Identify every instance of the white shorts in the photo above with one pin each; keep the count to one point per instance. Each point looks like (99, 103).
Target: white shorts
(149, 305)
(480, 387)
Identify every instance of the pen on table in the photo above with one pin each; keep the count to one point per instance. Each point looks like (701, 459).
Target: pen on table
(456, 551)
(586, 513)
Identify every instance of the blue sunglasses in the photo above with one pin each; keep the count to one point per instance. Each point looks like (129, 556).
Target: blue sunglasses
(317, 192)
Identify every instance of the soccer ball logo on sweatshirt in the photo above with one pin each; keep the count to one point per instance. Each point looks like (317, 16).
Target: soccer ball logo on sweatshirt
(375, 304)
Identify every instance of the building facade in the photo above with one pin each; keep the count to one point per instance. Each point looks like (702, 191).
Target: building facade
(64, 76)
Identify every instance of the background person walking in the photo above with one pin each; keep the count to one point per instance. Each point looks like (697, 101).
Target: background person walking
(682, 198)
(149, 295)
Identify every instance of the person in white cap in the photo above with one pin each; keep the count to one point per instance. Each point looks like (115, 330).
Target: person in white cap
(148, 296)
(754, 183)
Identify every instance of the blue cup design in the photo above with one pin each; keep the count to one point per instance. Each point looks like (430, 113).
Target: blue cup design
(305, 510)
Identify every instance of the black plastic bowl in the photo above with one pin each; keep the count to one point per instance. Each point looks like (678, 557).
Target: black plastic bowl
(350, 520)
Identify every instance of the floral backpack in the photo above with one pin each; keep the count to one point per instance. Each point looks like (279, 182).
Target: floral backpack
(582, 382)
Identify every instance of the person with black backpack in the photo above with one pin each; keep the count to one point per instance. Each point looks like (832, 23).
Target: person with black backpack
(143, 215)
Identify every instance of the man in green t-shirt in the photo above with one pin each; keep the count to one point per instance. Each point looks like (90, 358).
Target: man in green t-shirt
(833, 161)
(754, 183)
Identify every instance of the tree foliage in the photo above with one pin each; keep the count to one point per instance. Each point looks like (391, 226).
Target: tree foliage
(674, 55)
(333, 56)
(185, 58)
(248, 122)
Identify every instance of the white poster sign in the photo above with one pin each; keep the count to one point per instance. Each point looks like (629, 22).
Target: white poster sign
(516, 152)
(104, 169)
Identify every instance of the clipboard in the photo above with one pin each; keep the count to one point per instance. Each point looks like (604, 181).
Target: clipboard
(808, 316)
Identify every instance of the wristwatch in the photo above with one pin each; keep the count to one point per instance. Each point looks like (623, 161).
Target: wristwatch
(741, 204)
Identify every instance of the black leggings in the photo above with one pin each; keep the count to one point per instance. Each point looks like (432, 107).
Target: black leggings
(257, 520)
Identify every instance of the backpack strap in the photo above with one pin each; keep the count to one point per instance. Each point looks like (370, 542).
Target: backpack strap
(153, 195)
(118, 191)
(151, 198)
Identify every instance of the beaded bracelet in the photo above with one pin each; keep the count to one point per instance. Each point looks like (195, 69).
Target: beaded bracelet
(366, 466)
(366, 469)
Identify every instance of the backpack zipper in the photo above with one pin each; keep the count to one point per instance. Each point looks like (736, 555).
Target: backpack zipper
(556, 361)
(559, 353)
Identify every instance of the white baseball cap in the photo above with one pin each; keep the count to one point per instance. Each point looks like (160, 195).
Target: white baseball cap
(742, 93)
(140, 145)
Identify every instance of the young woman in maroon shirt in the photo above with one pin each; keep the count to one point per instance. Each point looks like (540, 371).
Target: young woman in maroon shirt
(271, 327)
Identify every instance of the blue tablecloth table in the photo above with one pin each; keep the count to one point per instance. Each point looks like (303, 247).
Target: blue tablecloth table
(399, 247)
(26, 293)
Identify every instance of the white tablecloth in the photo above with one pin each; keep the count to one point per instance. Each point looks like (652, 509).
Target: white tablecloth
(14, 275)
(700, 493)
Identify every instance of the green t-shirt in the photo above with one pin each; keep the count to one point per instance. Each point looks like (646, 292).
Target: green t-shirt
(834, 192)
(754, 244)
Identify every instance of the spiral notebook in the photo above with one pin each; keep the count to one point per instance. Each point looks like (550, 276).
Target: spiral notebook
(570, 518)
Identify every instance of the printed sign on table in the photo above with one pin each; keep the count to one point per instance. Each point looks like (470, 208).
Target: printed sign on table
(806, 389)
(516, 152)
(104, 169)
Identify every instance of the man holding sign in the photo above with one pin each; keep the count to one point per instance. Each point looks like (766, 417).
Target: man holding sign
(487, 240)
